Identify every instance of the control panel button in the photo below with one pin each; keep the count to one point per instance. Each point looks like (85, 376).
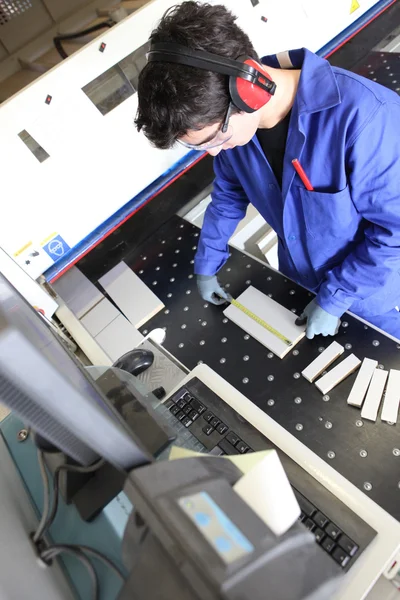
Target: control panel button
(175, 409)
(309, 524)
(193, 415)
(340, 556)
(232, 438)
(319, 535)
(187, 409)
(187, 422)
(348, 545)
(181, 403)
(227, 447)
(181, 415)
(333, 531)
(242, 447)
(207, 429)
(320, 519)
(208, 416)
(215, 422)
(328, 544)
(186, 397)
(223, 544)
(197, 406)
(222, 428)
(202, 519)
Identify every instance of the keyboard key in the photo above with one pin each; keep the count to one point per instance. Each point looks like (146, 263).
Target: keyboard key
(216, 451)
(306, 506)
(215, 422)
(320, 519)
(347, 544)
(340, 556)
(208, 416)
(181, 415)
(333, 531)
(181, 403)
(309, 524)
(319, 535)
(169, 404)
(242, 447)
(187, 422)
(197, 406)
(187, 409)
(222, 428)
(328, 544)
(186, 397)
(232, 438)
(227, 447)
(208, 429)
(175, 409)
(193, 415)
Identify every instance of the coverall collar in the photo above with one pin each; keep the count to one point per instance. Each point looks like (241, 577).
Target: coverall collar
(317, 89)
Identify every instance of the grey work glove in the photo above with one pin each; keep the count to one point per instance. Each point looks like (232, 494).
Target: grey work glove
(209, 289)
(319, 322)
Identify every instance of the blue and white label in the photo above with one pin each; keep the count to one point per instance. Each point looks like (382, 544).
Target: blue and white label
(217, 528)
(56, 248)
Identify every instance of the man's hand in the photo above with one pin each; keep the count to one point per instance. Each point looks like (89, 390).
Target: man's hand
(318, 321)
(209, 289)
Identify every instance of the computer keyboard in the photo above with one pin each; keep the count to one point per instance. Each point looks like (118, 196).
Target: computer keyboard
(204, 422)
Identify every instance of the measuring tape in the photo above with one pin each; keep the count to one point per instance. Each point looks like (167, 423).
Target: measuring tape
(259, 321)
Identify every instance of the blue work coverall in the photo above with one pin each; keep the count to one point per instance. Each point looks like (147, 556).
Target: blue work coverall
(341, 240)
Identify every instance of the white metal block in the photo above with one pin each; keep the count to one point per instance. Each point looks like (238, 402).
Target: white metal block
(77, 291)
(338, 374)
(392, 397)
(323, 361)
(279, 317)
(360, 387)
(135, 300)
(99, 317)
(374, 395)
(119, 337)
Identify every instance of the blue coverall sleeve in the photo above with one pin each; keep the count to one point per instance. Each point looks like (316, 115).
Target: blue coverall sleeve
(227, 207)
(373, 165)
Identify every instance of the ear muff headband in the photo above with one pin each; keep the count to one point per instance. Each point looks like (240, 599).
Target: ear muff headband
(249, 87)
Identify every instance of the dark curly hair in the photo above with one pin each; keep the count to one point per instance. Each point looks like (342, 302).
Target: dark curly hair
(174, 99)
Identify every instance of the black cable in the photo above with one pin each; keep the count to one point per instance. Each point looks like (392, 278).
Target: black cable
(73, 36)
(46, 495)
(56, 483)
(85, 549)
(54, 551)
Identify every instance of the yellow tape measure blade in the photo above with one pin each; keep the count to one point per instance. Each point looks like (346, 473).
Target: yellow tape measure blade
(260, 321)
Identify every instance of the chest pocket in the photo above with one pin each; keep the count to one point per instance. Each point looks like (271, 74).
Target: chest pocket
(329, 215)
(332, 225)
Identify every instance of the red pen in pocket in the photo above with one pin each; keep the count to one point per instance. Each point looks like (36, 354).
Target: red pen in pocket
(301, 173)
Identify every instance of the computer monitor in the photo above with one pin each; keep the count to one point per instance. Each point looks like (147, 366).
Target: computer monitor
(43, 383)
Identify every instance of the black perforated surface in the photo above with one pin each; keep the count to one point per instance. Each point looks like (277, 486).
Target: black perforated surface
(382, 67)
(200, 332)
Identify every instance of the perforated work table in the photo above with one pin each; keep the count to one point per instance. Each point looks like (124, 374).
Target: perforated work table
(367, 454)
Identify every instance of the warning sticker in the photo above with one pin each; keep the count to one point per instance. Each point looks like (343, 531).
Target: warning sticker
(355, 5)
(56, 248)
(21, 250)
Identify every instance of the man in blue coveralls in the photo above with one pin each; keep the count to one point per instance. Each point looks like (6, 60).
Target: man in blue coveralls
(336, 211)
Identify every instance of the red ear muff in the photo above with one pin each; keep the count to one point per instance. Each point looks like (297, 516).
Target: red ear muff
(247, 96)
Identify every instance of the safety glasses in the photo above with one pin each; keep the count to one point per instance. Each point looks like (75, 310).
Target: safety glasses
(222, 136)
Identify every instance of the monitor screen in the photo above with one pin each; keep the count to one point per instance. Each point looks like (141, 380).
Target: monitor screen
(48, 388)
